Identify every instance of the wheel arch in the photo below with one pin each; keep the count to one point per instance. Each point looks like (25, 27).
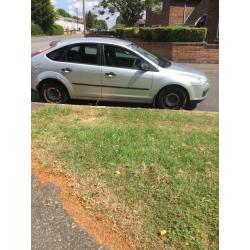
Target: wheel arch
(44, 81)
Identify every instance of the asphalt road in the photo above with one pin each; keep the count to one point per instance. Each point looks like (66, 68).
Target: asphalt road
(211, 70)
(52, 227)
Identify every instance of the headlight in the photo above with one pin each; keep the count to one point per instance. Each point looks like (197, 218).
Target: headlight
(205, 83)
(195, 80)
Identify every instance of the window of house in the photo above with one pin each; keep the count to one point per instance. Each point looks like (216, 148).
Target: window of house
(83, 53)
(201, 21)
(157, 7)
(119, 57)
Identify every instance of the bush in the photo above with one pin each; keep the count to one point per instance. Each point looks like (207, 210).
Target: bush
(120, 32)
(55, 30)
(36, 30)
(160, 34)
(105, 33)
(165, 34)
(127, 32)
(145, 34)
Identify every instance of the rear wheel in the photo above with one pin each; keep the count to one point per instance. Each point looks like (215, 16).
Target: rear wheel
(172, 98)
(54, 92)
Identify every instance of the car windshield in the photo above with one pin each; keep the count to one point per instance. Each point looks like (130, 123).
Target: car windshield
(156, 59)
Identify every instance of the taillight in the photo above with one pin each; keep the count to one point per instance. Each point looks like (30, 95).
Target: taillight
(42, 50)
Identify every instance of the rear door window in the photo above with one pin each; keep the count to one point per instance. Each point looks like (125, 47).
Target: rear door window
(83, 53)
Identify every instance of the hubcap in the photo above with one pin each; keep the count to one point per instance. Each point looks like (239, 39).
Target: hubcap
(172, 100)
(53, 95)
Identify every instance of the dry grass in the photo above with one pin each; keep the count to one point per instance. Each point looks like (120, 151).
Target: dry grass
(136, 168)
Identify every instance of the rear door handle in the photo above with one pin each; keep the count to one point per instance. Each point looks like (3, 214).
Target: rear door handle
(110, 74)
(66, 70)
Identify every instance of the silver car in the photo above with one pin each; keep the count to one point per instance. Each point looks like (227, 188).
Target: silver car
(111, 69)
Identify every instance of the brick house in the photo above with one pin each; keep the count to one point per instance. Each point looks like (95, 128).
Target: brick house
(187, 12)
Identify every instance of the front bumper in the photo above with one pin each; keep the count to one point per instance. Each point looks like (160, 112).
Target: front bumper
(200, 91)
(204, 93)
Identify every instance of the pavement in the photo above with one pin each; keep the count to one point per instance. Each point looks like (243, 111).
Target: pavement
(52, 227)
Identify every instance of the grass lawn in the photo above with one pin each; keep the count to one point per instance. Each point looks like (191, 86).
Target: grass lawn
(145, 170)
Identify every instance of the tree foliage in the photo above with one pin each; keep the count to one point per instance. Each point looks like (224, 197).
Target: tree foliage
(42, 13)
(101, 24)
(91, 19)
(92, 22)
(131, 11)
(76, 17)
(119, 20)
(63, 13)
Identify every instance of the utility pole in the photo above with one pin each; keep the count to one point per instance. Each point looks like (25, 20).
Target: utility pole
(77, 19)
(83, 17)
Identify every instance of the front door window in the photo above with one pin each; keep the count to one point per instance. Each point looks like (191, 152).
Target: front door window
(121, 58)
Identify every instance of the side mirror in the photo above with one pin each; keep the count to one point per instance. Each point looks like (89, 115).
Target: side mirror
(145, 66)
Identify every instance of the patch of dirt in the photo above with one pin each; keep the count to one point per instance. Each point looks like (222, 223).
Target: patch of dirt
(36, 106)
(86, 116)
(101, 230)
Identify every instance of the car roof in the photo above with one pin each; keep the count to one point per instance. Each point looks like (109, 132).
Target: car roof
(107, 40)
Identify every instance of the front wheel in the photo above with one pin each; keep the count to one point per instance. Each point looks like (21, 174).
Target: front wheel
(54, 92)
(172, 98)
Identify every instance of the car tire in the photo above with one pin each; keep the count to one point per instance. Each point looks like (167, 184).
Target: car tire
(174, 98)
(190, 106)
(54, 92)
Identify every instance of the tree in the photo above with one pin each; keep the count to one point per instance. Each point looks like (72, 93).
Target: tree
(119, 20)
(76, 17)
(91, 19)
(63, 13)
(42, 13)
(101, 24)
(131, 11)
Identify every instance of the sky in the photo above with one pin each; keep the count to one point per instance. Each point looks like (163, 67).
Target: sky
(71, 5)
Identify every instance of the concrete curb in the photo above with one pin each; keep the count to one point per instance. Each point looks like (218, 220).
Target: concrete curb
(37, 105)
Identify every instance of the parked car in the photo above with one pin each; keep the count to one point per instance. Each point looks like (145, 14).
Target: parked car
(110, 69)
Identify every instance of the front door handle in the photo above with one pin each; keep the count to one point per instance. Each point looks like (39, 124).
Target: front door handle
(110, 74)
(66, 70)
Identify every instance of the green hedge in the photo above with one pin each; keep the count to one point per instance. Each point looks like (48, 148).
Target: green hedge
(165, 34)
(145, 34)
(55, 30)
(127, 32)
(36, 30)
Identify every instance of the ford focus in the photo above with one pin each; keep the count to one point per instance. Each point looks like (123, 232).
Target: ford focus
(109, 69)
